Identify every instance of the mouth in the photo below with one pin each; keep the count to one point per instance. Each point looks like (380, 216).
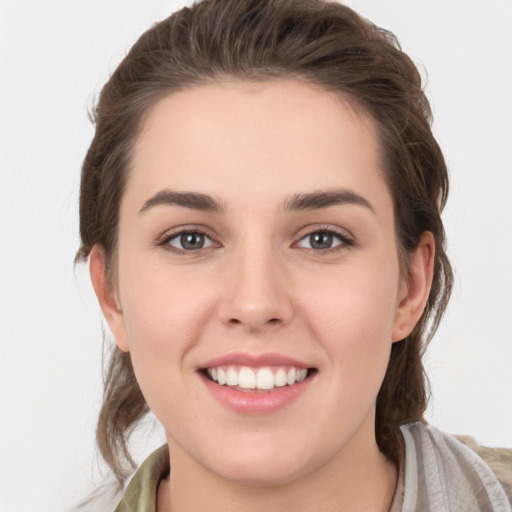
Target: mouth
(257, 379)
(256, 384)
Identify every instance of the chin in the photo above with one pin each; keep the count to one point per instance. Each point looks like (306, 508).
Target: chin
(263, 466)
(264, 474)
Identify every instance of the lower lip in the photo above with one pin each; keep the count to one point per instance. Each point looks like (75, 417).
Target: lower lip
(256, 402)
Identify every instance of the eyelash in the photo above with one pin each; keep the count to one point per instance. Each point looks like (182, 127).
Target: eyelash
(164, 242)
(346, 240)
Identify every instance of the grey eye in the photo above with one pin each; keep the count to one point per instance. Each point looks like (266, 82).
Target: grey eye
(321, 240)
(191, 241)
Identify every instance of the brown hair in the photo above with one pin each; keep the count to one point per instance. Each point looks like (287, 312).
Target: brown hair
(320, 42)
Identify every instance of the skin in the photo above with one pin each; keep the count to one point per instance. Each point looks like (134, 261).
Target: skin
(259, 287)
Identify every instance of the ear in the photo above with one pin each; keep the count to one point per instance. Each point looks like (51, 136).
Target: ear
(415, 287)
(107, 297)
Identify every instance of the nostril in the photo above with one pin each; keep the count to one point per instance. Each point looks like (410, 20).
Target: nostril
(235, 322)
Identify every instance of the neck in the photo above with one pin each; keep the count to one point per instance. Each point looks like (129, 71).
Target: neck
(359, 478)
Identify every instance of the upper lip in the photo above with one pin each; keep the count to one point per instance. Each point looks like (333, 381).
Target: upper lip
(253, 360)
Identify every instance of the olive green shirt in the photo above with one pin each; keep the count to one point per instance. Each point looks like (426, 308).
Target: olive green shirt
(140, 495)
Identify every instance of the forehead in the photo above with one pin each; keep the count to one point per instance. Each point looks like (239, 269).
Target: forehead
(243, 139)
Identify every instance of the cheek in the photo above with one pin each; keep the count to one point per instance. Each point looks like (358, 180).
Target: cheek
(162, 311)
(163, 324)
(354, 298)
(352, 314)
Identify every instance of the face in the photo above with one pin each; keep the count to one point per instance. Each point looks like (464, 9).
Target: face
(259, 288)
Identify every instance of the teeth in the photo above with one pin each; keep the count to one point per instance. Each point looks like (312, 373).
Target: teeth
(262, 378)
(301, 374)
(221, 376)
(232, 377)
(246, 378)
(290, 376)
(280, 378)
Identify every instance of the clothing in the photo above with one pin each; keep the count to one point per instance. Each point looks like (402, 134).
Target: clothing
(443, 475)
(440, 474)
(140, 495)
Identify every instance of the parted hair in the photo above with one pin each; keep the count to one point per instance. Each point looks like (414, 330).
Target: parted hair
(319, 42)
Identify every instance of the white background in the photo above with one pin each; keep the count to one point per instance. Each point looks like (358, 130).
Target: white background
(54, 57)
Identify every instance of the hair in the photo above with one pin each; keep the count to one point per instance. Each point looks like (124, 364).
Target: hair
(318, 42)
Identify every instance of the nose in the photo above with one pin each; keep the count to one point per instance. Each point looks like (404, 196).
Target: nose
(256, 291)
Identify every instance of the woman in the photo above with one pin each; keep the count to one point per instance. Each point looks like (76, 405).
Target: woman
(260, 207)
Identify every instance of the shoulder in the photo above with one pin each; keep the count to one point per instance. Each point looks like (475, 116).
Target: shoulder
(442, 473)
(138, 492)
(499, 461)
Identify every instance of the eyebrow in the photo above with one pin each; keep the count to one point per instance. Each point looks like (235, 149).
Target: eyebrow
(323, 199)
(193, 200)
(298, 202)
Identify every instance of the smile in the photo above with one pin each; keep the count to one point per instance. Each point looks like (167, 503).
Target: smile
(256, 384)
(267, 378)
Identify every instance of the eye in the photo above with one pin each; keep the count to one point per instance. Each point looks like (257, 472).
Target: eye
(325, 240)
(188, 241)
